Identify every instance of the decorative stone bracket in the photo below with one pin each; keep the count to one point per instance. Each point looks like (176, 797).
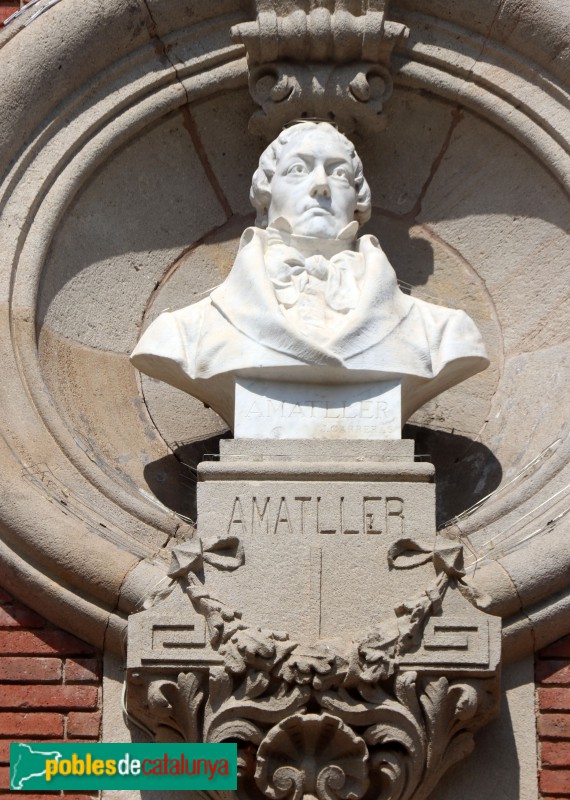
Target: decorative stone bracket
(382, 717)
(330, 60)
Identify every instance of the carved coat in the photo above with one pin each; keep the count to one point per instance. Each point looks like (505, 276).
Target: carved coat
(240, 330)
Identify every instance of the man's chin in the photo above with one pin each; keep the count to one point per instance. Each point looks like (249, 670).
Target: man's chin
(318, 227)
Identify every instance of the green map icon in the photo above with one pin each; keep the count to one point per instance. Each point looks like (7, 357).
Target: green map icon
(29, 764)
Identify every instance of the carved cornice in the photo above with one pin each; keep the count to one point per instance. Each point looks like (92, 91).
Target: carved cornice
(329, 60)
(332, 30)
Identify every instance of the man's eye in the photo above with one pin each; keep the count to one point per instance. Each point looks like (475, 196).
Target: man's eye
(341, 172)
(297, 169)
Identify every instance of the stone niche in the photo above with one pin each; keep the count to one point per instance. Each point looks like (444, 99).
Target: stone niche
(125, 168)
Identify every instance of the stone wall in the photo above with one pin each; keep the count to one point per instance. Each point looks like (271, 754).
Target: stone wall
(50, 685)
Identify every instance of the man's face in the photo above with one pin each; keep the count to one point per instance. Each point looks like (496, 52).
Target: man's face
(313, 186)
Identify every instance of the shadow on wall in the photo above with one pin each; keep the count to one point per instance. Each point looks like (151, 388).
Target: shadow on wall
(173, 479)
(466, 470)
(411, 257)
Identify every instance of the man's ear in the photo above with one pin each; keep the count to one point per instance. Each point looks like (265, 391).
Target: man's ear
(260, 196)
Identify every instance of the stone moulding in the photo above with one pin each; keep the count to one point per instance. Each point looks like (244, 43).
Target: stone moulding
(330, 61)
(372, 717)
(327, 31)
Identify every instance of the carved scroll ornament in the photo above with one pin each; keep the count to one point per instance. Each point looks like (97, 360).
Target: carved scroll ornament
(329, 60)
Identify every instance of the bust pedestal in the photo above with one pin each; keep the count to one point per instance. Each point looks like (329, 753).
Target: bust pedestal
(316, 620)
(316, 519)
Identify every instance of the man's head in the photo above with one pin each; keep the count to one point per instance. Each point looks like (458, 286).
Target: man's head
(312, 177)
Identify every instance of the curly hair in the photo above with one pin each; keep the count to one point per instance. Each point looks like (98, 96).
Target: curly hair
(260, 194)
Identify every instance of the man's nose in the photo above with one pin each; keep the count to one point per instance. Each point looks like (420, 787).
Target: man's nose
(320, 186)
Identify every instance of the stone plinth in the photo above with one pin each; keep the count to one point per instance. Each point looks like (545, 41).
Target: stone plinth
(316, 529)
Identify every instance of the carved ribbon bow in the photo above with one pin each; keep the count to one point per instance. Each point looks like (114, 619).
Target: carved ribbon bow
(223, 552)
(289, 272)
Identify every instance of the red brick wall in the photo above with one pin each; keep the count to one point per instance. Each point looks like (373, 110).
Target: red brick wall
(50, 686)
(7, 9)
(552, 671)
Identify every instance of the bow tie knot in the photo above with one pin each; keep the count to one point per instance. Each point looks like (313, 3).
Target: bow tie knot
(318, 267)
(289, 272)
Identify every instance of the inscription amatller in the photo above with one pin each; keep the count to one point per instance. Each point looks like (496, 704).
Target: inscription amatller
(266, 409)
(311, 409)
(307, 515)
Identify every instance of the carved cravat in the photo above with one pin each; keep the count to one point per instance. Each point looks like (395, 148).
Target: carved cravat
(313, 288)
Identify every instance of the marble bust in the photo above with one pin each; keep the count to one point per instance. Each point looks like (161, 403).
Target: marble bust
(308, 301)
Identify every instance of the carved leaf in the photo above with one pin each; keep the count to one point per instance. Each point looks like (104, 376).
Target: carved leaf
(254, 685)
(255, 648)
(464, 700)
(158, 701)
(448, 711)
(190, 699)
(377, 653)
(221, 620)
(221, 687)
(411, 619)
(406, 694)
(308, 665)
(262, 710)
(175, 706)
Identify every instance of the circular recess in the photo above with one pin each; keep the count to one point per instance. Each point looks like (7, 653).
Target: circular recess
(126, 191)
